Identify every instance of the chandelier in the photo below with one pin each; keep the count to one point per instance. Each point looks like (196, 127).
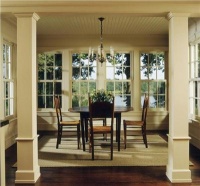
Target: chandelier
(101, 55)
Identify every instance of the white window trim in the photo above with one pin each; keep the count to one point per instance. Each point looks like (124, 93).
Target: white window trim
(101, 73)
(49, 109)
(193, 58)
(156, 80)
(13, 80)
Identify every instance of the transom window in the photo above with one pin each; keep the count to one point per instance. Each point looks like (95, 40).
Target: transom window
(49, 78)
(8, 81)
(153, 82)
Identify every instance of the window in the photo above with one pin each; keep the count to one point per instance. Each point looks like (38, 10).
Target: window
(8, 81)
(84, 75)
(49, 78)
(194, 81)
(118, 79)
(84, 78)
(153, 82)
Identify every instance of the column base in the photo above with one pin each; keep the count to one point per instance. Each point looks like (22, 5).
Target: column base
(178, 160)
(27, 176)
(178, 176)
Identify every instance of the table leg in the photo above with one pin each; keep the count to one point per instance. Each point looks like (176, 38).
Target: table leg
(82, 130)
(86, 129)
(118, 132)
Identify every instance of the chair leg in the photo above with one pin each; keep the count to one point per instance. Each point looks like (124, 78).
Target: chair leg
(92, 145)
(111, 147)
(116, 130)
(78, 136)
(61, 129)
(124, 135)
(145, 140)
(58, 137)
(57, 143)
(89, 137)
(86, 129)
(144, 137)
(105, 124)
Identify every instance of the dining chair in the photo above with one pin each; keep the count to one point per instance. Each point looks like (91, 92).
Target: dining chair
(137, 125)
(64, 125)
(100, 110)
(103, 120)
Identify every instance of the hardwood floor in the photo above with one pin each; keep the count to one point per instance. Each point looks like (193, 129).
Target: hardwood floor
(134, 176)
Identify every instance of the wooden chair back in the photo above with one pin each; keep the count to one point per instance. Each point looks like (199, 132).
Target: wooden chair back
(58, 108)
(101, 110)
(145, 108)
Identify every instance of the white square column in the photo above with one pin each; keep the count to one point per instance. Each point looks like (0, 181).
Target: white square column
(28, 170)
(178, 139)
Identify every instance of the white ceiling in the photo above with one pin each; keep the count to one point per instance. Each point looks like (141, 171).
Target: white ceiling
(80, 17)
(90, 25)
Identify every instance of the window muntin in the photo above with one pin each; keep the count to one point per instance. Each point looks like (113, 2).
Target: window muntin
(153, 82)
(84, 75)
(49, 78)
(118, 78)
(194, 81)
(8, 81)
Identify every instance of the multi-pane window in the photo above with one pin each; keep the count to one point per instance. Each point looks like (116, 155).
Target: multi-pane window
(84, 75)
(118, 78)
(8, 82)
(49, 78)
(153, 82)
(195, 81)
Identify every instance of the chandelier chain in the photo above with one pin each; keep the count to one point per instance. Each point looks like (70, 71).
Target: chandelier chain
(101, 56)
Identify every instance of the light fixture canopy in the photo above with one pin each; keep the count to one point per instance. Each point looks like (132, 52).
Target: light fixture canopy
(101, 55)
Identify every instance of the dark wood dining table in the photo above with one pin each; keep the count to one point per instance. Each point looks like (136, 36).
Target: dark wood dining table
(84, 115)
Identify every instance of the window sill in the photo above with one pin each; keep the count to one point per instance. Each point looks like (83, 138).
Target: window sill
(194, 121)
(4, 123)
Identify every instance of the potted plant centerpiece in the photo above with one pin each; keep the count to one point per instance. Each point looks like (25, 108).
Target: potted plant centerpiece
(101, 96)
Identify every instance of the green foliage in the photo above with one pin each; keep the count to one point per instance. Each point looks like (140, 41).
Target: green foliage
(122, 62)
(82, 67)
(151, 61)
(75, 102)
(101, 96)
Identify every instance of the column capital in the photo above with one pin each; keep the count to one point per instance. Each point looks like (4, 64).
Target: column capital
(171, 15)
(34, 15)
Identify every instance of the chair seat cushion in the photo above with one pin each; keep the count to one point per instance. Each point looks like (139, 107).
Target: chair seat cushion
(69, 122)
(137, 123)
(101, 129)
